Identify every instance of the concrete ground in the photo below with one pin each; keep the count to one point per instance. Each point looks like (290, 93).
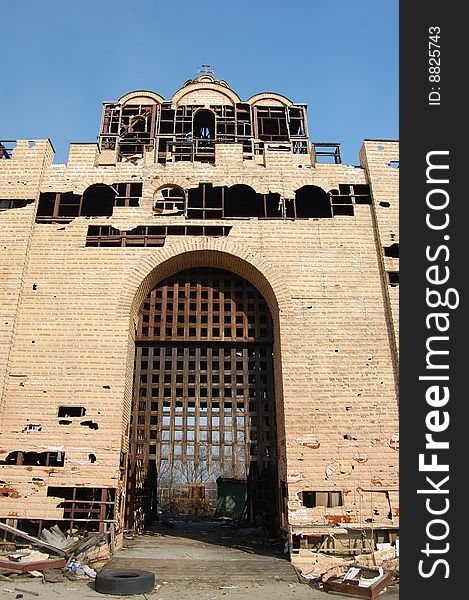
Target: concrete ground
(192, 561)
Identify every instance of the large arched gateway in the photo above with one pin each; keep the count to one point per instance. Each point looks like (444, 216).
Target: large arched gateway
(203, 435)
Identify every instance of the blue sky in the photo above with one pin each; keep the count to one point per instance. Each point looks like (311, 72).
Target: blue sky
(61, 60)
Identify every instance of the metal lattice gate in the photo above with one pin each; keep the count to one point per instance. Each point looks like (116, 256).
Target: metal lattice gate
(203, 405)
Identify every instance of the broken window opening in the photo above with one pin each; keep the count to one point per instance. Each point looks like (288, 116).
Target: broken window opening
(7, 204)
(32, 427)
(127, 194)
(71, 411)
(85, 507)
(98, 201)
(271, 123)
(393, 278)
(276, 207)
(41, 459)
(242, 201)
(63, 207)
(6, 149)
(147, 235)
(297, 121)
(312, 202)
(169, 201)
(243, 121)
(392, 251)
(205, 202)
(324, 152)
(225, 123)
(327, 499)
(137, 130)
(167, 117)
(58, 207)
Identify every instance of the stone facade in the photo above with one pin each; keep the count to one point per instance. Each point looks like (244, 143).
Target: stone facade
(69, 312)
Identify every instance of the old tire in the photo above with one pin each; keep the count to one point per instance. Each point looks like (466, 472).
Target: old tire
(124, 582)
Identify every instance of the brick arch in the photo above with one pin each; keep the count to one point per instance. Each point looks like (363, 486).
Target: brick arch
(270, 96)
(208, 252)
(152, 96)
(86, 183)
(160, 182)
(231, 96)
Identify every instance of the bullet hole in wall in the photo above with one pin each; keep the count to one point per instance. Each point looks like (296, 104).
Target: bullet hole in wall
(92, 458)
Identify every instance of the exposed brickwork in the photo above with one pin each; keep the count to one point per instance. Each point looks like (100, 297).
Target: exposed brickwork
(68, 315)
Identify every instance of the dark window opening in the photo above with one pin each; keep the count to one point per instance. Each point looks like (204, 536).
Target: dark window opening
(98, 201)
(7, 204)
(83, 505)
(169, 200)
(312, 202)
(111, 120)
(205, 202)
(274, 207)
(90, 424)
(297, 122)
(393, 277)
(71, 411)
(127, 194)
(225, 118)
(167, 119)
(41, 459)
(147, 235)
(243, 201)
(342, 210)
(327, 499)
(392, 251)
(137, 129)
(272, 123)
(243, 120)
(204, 125)
(61, 207)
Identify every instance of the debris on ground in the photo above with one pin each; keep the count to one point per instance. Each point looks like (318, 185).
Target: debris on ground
(357, 581)
(54, 556)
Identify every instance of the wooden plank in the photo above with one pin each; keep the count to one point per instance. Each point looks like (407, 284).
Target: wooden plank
(33, 540)
(38, 565)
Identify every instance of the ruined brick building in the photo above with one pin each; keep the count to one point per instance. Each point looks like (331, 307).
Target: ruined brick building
(199, 316)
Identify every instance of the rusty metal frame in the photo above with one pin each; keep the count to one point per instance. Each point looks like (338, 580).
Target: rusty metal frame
(203, 386)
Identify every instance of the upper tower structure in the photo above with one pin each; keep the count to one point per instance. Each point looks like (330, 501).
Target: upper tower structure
(204, 112)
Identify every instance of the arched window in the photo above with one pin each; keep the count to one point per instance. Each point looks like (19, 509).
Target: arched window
(204, 125)
(169, 201)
